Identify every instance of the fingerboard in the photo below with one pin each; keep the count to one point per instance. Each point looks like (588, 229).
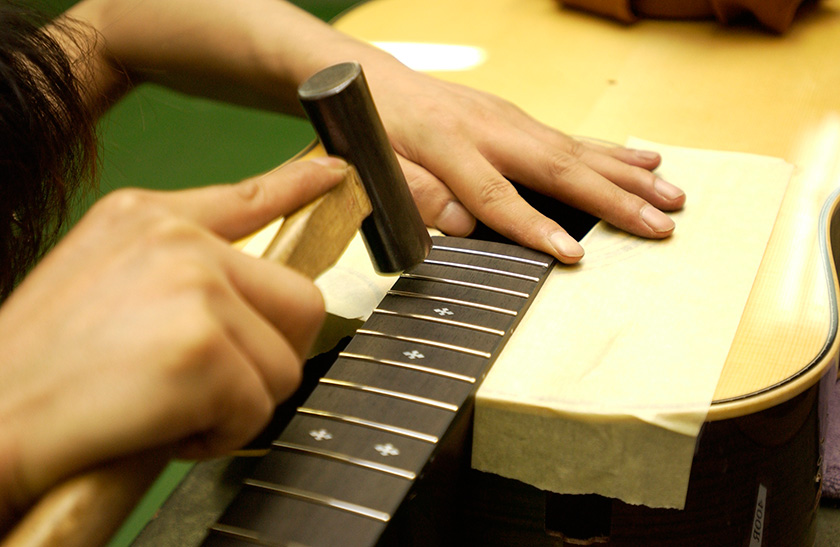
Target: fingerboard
(392, 408)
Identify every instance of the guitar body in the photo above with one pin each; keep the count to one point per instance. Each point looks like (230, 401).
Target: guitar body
(755, 479)
(756, 475)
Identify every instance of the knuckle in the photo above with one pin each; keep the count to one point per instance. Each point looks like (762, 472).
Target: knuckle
(124, 203)
(495, 191)
(251, 191)
(199, 282)
(441, 118)
(614, 205)
(576, 148)
(645, 178)
(200, 337)
(564, 166)
(126, 199)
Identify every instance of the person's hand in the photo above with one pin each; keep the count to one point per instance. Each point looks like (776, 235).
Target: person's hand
(145, 328)
(458, 147)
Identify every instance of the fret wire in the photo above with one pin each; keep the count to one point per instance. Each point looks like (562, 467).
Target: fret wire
(492, 255)
(507, 307)
(418, 368)
(425, 342)
(389, 393)
(237, 532)
(337, 456)
(447, 300)
(369, 423)
(320, 499)
(442, 321)
(482, 269)
(489, 288)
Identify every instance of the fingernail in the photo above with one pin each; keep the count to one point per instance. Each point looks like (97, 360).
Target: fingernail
(565, 245)
(667, 190)
(647, 155)
(455, 220)
(658, 221)
(330, 161)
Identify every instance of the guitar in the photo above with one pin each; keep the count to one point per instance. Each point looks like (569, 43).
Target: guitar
(677, 76)
(378, 453)
(767, 415)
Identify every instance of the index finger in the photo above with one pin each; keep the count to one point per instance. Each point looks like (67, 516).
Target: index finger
(494, 201)
(235, 210)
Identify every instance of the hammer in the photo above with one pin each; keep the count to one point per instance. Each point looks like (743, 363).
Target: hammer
(87, 509)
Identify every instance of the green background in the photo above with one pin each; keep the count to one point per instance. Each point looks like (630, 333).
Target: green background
(160, 139)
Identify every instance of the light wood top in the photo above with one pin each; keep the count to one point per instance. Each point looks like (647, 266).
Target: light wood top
(692, 84)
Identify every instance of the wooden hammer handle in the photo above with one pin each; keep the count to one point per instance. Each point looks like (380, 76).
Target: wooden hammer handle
(87, 509)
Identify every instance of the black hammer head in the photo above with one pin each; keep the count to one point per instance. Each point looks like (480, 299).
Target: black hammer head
(337, 101)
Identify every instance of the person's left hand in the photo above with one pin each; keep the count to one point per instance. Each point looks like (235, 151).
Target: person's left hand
(459, 148)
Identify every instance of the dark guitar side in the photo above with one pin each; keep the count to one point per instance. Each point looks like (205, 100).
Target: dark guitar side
(778, 449)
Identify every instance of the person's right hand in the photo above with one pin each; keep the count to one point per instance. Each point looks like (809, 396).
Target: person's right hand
(145, 328)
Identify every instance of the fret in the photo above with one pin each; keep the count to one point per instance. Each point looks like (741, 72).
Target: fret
(235, 532)
(440, 320)
(347, 418)
(455, 291)
(521, 263)
(367, 464)
(481, 269)
(357, 442)
(408, 366)
(436, 389)
(404, 414)
(390, 393)
(282, 520)
(531, 278)
(424, 342)
(359, 487)
(428, 356)
(453, 301)
(473, 341)
(319, 499)
(378, 422)
(538, 263)
(481, 286)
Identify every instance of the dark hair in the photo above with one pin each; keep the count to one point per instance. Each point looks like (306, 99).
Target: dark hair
(47, 137)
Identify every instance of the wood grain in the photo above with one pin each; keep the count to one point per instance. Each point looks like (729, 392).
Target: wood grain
(686, 83)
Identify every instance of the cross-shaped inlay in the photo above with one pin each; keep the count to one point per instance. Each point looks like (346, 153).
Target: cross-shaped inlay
(444, 311)
(387, 449)
(414, 354)
(320, 434)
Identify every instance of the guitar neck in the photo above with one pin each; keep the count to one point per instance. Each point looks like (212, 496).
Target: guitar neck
(360, 458)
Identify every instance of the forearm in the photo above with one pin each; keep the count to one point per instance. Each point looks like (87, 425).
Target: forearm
(251, 52)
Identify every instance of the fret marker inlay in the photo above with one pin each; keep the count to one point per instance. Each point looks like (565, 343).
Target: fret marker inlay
(401, 392)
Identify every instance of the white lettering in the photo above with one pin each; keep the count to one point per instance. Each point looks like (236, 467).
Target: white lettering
(758, 519)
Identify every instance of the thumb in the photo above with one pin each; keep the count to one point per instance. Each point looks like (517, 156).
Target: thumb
(236, 210)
